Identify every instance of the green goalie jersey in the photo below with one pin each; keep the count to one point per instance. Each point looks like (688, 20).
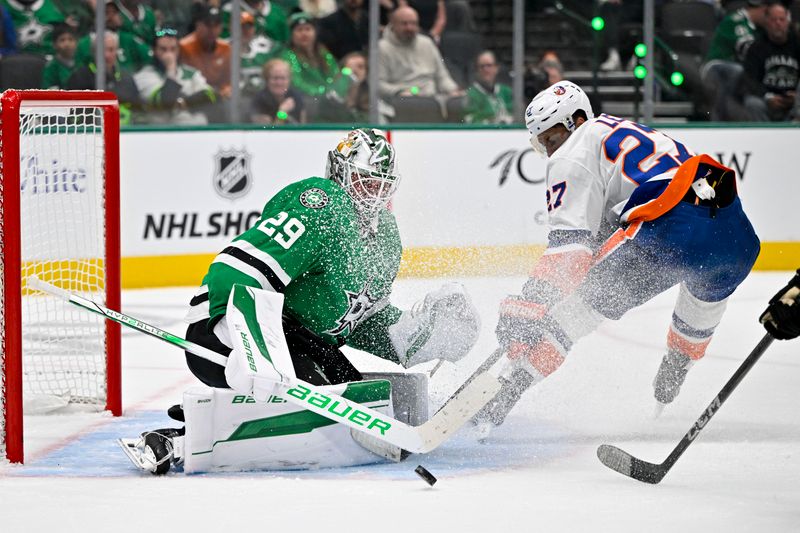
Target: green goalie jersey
(309, 245)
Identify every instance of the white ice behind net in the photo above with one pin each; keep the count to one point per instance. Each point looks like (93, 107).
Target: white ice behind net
(63, 242)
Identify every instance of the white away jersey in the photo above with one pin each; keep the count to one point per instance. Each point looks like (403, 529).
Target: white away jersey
(608, 168)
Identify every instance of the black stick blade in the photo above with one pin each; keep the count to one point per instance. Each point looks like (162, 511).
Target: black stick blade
(630, 466)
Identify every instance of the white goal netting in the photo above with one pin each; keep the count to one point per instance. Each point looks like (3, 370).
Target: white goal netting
(63, 241)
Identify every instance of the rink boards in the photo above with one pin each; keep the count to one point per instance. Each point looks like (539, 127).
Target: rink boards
(471, 201)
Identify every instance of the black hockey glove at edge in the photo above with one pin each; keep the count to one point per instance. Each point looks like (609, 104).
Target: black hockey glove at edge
(782, 316)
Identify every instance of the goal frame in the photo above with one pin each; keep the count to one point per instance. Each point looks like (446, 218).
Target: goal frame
(12, 102)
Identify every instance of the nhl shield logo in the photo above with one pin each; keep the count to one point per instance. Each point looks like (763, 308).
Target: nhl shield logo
(232, 176)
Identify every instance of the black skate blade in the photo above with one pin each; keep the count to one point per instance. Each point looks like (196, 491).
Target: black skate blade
(628, 465)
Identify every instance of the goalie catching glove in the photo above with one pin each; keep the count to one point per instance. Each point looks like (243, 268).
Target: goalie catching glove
(444, 325)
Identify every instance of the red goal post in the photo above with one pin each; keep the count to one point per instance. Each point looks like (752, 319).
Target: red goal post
(59, 219)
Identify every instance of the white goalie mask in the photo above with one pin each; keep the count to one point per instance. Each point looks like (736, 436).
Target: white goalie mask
(555, 105)
(363, 163)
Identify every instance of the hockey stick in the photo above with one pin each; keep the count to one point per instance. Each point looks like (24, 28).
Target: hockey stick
(479, 373)
(628, 465)
(415, 439)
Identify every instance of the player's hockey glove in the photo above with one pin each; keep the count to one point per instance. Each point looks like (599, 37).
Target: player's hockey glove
(782, 317)
(520, 316)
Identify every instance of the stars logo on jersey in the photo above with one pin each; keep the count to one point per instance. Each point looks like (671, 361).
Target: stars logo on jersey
(232, 176)
(314, 198)
(359, 304)
(32, 33)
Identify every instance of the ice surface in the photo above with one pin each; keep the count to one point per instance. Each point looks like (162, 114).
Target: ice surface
(537, 472)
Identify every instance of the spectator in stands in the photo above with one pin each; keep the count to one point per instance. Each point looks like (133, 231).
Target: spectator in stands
(488, 102)
(138, 19)
(410, 63)
(278, 102)
(59, 69)
(772, 69)
(723, 67)
(270, 19)
(171, 91)
(354, 65)
(173, 14)
(315, 72)
(133, 52)
(34, 21)
(204, 50)
(8, 35)
(256, 50)
(548, 71)
(432, 15)
(317, 8)
(118, 81)
(346, 30)
(77, 13)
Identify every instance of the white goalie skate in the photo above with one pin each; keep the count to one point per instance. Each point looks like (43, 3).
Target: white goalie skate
(155, 451)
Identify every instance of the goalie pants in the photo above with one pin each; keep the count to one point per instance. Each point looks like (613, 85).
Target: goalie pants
(315, 361)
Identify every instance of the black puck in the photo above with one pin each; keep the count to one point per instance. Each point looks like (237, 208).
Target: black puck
(424, 474)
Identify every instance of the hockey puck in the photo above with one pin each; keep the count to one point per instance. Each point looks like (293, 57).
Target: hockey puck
(424, 474)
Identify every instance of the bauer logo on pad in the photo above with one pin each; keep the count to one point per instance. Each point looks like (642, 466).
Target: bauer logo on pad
(232, 176)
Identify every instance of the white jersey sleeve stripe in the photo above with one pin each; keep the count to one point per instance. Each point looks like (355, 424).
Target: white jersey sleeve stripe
(246, 269)
(264, 258)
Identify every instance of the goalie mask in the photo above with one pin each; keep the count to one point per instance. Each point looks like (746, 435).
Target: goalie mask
(555, 105)
(363, 164)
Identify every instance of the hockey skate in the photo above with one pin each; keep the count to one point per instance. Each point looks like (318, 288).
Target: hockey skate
(155, 451)
(495, 412)
(671, 375)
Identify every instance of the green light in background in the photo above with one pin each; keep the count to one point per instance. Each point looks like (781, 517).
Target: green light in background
(640, 50)
(346, 71)
(598, 23)
(414, 90)
(676, 78)
(282, 115)
(640, 72)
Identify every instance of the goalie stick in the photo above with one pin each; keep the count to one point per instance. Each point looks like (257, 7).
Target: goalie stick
(416, 439)
(626, 464)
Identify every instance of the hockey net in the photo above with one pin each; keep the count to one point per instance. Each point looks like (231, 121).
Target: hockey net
(59, 207)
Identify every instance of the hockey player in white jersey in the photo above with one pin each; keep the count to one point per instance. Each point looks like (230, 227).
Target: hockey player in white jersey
(662, 216)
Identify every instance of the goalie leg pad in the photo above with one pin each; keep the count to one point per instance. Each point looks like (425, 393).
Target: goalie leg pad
(229, 431)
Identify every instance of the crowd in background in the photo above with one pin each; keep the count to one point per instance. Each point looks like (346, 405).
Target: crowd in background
(169, 61)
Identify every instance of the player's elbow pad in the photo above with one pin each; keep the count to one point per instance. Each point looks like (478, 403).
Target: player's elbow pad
(444, 325)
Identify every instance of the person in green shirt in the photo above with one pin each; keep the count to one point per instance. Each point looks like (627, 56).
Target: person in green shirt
(488, 102)
(256, 51)
(138, 19)
(132, 52)
(270, 19)
(58, 70)
(315, 72)
(78, 13)
(34, 22)
(332, 248)
(725, 59)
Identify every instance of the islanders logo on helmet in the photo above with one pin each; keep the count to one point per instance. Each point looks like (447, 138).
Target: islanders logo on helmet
(559, 90)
